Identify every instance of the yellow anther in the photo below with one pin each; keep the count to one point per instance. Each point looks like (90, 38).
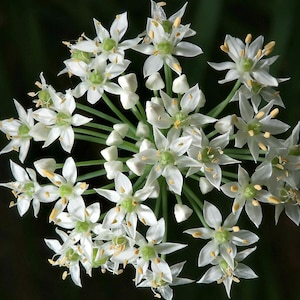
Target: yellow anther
(259, 54)
(251, 132)
(177, 67)
(242, 53)
(224, 48)
(257, 187)
(83, 185)
(262, 146)
(235, 228)
(235, 207)
(155, 23)
(157, 260)
(255, 203)
(269, 47)
(151, 34)
(248, 38)
(177, 22)
(260, 114)
(274, 112)
(267, 135)
(53, 214)
(273, 200)
(122, 190)
(171, 182)
(48, 174)
(175, 102)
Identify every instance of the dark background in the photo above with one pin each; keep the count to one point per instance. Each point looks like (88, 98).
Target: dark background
(31, 35)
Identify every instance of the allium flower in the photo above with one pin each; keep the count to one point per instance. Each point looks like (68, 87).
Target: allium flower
(221, 272)
(149, 251)
(248, 62)
(163, 43)
(249, 193)
(24, 189)
(224, 237)
(162, 288)
(257, 130)
(65, 189)
(209, 154)
(129, 205)
(18, 132)
(96, 77)
(179, 114)
(167, 160)
(59, 120)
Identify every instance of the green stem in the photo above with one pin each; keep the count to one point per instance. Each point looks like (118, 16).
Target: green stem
(168, 78)
(221, 106)
(97, 113)
(90, 133)
(117, 112)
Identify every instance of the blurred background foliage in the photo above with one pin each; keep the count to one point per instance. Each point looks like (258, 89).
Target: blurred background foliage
(31, 35)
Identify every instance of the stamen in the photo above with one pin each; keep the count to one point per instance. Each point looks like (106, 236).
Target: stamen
(177, 22)
(274, 113)
(260, 114)
(262, 146)
(248, 38)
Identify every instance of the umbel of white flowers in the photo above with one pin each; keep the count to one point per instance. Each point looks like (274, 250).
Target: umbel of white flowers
(159, 152)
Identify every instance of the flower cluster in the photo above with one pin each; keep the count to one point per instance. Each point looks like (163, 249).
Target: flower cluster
(165, 153)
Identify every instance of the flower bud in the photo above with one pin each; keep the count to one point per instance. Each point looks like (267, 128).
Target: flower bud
(180, 84)
(112, 167)
(114, 139)
(128, 82)
(136, 166)
(224, 125)
(110, 153)
(128, 99)
(155, 82)
(142, 130)
(122, 129)
(182, 212)
(205, 185)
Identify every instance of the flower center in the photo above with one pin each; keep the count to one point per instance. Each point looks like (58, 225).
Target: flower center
(96, 78)
(82, 226)
(71, 255)
(148, 252)
(247, 64)
(108, 44)
(63, 119)
(23, 131)
(254, 128)
(181, 120)
(164, 48)
(249, 191)
(206, 155)
(45, 98)
(167, 158)
(256, 87)
(279, 162)
(29, 188)
(65, 191)
(129, 205)
(222, 236)
(119, 240)
(96, 261)
(81, 56)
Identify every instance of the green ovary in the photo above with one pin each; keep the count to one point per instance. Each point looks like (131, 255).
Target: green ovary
(82, 226)
(108, 44)
(165, 48)
(81, 55)
(255, 128)
(247, 64)
(222, 236)
(167, 158)
(148, 253)
(295, 150)
(180, 120)
(71, 255)
(63, 119)
(119, 240)
(128, 205)
(65, 191)
(45, 98)
(23, 131)
(96, 78)
(249, 192)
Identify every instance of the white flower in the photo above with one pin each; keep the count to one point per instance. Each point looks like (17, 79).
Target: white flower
(161, 288)
(161, 45)
(248, 62)
(221, 272)
(129, 205)
(128, 97)
(66, 189)
(177, 113)
(24, 189)
(167, 160)
(257, 130)
(149, 251)
(18, 131)
(182, 212)
(224, 237)
(96, 78)
(60, 120)
(247, 192)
